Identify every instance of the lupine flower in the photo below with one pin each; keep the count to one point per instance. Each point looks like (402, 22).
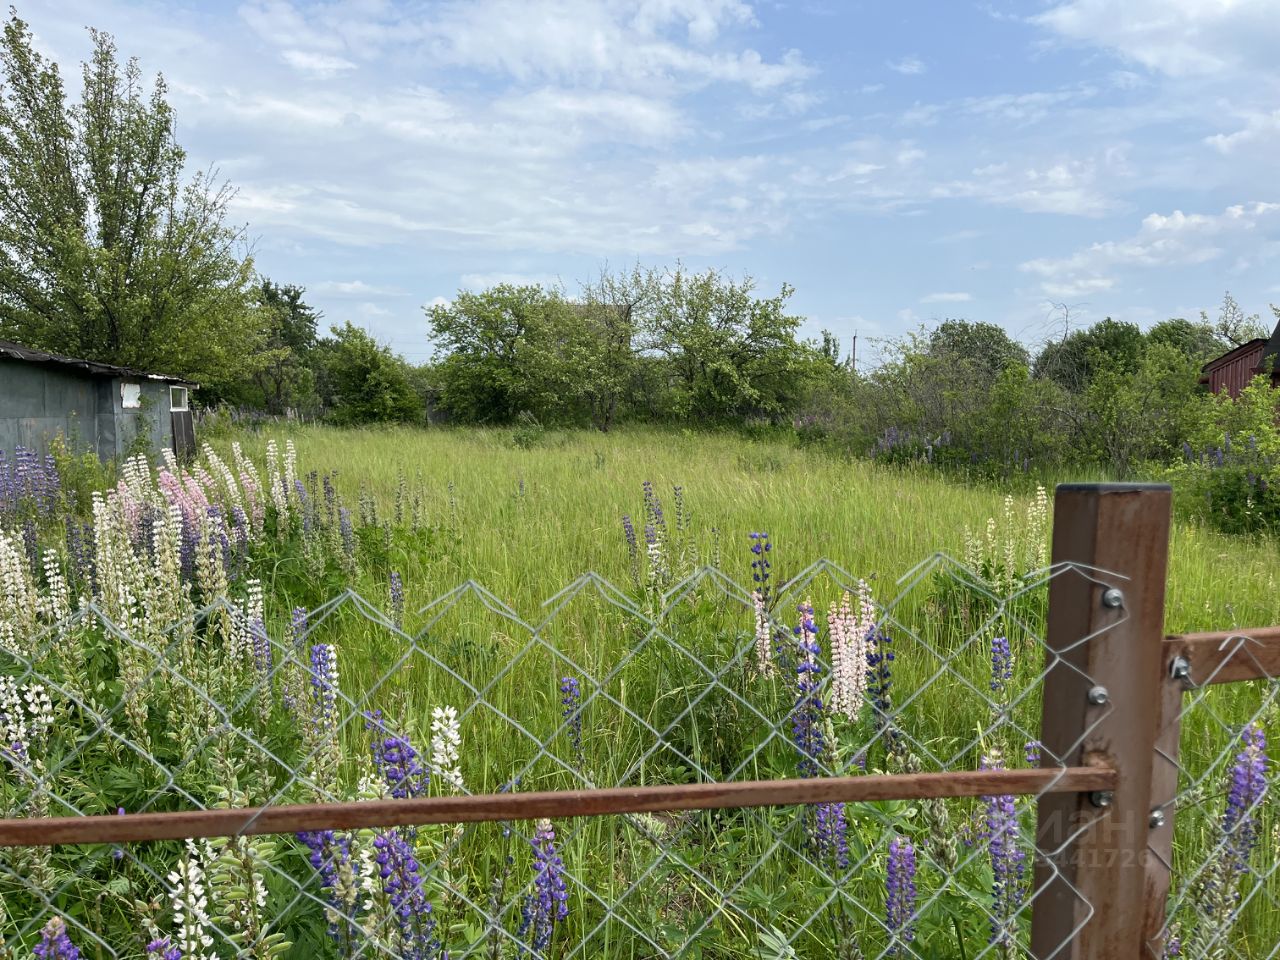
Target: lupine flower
(806, 718)
(831, 834)
(900, 896)
(348, 535)
(54, 943)
(397, 599)
(402, 883)
(1008, 864)
(849, 648)
(879, 686)
(1032, 752)
(163, 949)
(633, 548)
(548, 904)
(330, 855)
(1001, 672)
(396, 760)
(324, 688)
(570, 703)
(1244, 801)
(446, 738)
(190, 905)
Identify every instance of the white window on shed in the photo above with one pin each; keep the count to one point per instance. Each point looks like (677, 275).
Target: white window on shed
(131, 395)
(177, 398)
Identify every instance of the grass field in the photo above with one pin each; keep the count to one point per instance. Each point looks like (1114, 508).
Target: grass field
(602, 686)
(524, 522)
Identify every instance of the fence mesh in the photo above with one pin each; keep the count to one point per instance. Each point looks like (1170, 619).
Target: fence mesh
(1225, 894)
(707, 681)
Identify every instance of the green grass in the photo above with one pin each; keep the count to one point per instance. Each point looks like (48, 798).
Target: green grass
(525, 522)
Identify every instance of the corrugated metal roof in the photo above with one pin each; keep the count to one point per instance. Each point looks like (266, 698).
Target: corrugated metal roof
(16, 351)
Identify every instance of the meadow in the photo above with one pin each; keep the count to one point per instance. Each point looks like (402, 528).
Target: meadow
(236, 667)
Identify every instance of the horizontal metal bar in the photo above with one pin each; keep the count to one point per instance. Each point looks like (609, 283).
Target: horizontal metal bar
(135, 827)
(1227, 656)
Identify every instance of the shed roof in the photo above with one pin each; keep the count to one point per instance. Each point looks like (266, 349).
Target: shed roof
(1235, 352)
(16, 351)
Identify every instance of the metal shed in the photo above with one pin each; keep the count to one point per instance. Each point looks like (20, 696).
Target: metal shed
(115, 410)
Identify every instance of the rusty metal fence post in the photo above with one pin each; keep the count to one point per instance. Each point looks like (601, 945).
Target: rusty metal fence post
(1101, 702)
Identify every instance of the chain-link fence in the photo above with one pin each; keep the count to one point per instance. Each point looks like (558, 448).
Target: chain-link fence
(786, 768)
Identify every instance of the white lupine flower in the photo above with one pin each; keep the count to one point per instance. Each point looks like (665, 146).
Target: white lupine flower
(290, 471)
(764, 636)
(191, 906)
(446, 738)
(39, 709)
(55, 605)
(850, 637)
(276, 481)
(13, 716)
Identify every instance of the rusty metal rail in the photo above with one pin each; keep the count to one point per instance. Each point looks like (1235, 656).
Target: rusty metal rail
(1226, 656)
(291, 818)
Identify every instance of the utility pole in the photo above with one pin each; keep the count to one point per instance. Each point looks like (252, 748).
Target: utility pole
(853, 354)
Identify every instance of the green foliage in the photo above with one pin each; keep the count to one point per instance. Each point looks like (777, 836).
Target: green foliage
(369, 383)
(104, 252)
(1073, 361)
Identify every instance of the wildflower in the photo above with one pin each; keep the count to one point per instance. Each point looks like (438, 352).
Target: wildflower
(831, 835)
(548, 904)
(331, 857)
(348, 535)
(849, 648)
(570, 702)
(402, 883)
(1008, 863)
(163, 949)
(1032, 752)
(324, 688)
(54, 943)
(446, 738)
(1248, 787)
(900, 896)
(397, 599)
(806, 718)
(1001, 674)
(190, 905)
(879, 686)
(396, 760)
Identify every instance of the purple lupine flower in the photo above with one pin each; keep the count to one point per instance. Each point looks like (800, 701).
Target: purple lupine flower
(548, 904)
(396, 587)
(633, 548)
(831, 834)
(396, 760)
(402, 883)
(1008, 864)
(880, 684)
(54, 943)
(262, 654)
(117, 853)
(163, 949)
(1001, 667)
(806, 718)
(760, 547)
(1032, 752)
(348, 535)
(1248, 788)
(330, 856)
(570, 703)
(324, 689)
(900, 896)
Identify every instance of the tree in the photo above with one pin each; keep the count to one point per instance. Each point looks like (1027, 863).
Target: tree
(1196, 341)
(729, 355)
(287, 327)
(1073, 360)
(104, 252)
(1233, 325)
(370, 384)
(984, 345)
(617, 305)
(512, 349)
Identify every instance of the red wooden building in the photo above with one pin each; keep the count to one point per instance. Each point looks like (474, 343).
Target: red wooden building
(1234, 369)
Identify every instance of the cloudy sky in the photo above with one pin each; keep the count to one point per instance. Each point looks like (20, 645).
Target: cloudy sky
(896, 162)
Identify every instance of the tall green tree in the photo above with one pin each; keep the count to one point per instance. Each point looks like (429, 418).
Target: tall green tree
(105, 251)
(284, 364)
(369, 383)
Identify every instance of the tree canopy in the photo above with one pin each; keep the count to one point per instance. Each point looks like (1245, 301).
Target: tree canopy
(106, 251)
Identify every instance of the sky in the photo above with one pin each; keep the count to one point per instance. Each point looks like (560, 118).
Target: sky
(897, 163)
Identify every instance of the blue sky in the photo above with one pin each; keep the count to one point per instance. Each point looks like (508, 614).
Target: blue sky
(896, 162)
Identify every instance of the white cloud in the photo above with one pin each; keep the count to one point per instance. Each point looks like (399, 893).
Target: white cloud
(1257, 127)
(1174, 37)
(319, 64)
(956, 297)
(355, 288)
(908, 66)
(1174, 240)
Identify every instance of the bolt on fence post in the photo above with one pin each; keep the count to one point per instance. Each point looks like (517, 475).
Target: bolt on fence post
(1090, 881)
